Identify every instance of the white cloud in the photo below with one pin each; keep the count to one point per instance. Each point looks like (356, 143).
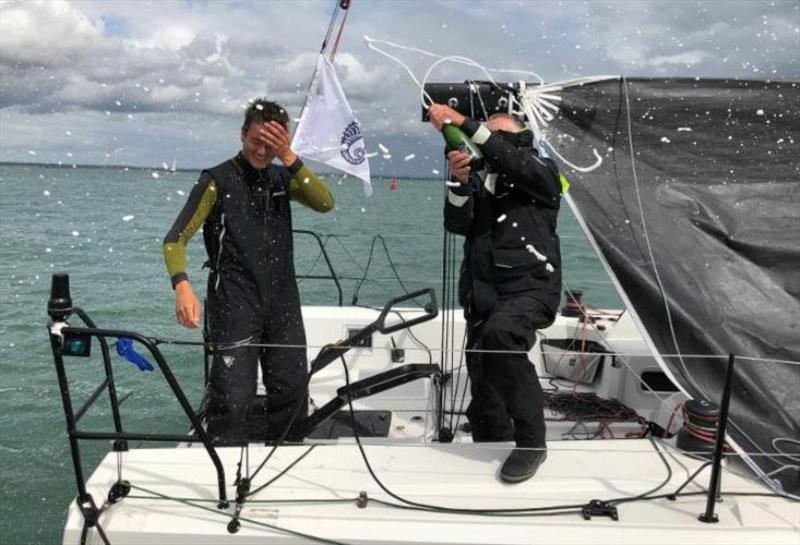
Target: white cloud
(686, 58)
(172, 37)
(183, 70)
(46, 32)
(170, 94)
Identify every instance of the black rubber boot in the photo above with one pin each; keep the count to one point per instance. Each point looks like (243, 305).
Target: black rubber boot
(521, 465)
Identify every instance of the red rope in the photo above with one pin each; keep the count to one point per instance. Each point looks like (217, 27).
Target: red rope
(705, 434)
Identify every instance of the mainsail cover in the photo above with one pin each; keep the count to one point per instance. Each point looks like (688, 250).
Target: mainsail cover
(704, 240)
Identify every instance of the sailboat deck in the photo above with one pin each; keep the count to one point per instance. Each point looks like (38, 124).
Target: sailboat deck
(455, 475)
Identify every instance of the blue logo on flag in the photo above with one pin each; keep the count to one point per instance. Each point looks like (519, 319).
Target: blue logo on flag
(351, 151)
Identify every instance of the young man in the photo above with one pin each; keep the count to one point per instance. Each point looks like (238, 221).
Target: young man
(510, 281)
(252, 297)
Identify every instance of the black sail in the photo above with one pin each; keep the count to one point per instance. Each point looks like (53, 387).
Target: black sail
(702, 232)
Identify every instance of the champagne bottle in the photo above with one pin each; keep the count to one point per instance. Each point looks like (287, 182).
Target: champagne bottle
(457, 139)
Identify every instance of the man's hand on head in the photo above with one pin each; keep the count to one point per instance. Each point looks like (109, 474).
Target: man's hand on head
(459, 165)
(440, 114)
(277, 138)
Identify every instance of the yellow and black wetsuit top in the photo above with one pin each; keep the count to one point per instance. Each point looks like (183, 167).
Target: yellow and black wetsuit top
(246, 221)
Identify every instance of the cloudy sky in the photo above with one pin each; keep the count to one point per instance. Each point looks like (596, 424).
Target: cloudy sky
(145, 83)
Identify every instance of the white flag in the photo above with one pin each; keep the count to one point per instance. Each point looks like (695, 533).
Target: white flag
(328, 132)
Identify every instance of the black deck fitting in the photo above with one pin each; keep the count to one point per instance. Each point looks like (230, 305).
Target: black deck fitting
(118, 491)
(599, 508)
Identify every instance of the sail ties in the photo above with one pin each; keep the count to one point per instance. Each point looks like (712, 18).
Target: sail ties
(540, 106)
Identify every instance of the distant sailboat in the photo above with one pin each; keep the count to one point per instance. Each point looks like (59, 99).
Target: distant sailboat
(167, 168)
(393, 184)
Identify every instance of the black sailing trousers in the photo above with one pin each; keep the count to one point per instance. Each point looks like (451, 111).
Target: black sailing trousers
(238, 318)
(507, 399)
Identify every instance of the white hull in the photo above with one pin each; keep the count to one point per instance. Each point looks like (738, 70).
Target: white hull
(457, 475)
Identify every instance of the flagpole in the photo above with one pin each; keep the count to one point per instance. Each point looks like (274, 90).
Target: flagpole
(339, 4)
(345, 5)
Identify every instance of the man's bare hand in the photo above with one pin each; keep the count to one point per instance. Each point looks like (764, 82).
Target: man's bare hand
(187, 306)
(459, 165)
(277, 138)
(440, 114)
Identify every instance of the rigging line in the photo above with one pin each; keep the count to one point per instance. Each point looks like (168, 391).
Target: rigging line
(427, 433)
(453, 338)
(447, 371)
(194, 503)
(455, 378)
(392, 266)
(452, 325)
(665, 482)
(324, 46)
(464, 60)
(417, 235)
(409, 502)
(477, 90)
(466, 384)
(331, 24)
(100, 532)
(366, 271)
(289, 424)
(531, 114)
(410, 331)
(647, 236)
(287, 501)
(443, 357)
(529, 105)
(532, 511)
(316, 260)
(451, 284)
(694, 454)
(503, 514)
(450, 307)
(239, 466)
(345, 5)
(441, 59)
(380, 279)
(791, 456)
(370, 44)
(627, 364)
(220, 346)
(338, 238)
(460, 60)
(664, 297)
(673, 450)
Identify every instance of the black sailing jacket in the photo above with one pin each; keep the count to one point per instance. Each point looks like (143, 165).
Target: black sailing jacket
(507, 214)
(248, 235)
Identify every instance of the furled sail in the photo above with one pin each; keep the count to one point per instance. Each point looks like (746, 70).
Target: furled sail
(695, 210)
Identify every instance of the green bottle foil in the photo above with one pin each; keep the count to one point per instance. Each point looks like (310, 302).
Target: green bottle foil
(456, 139)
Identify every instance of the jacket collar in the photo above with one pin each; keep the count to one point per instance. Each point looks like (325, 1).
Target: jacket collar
(521, 139)
(246, 170)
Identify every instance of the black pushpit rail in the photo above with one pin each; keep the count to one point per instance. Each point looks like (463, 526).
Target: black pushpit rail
(331, 352)
(382, 381)
(66, 340)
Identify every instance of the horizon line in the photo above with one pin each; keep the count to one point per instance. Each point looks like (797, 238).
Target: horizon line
(160, 169)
